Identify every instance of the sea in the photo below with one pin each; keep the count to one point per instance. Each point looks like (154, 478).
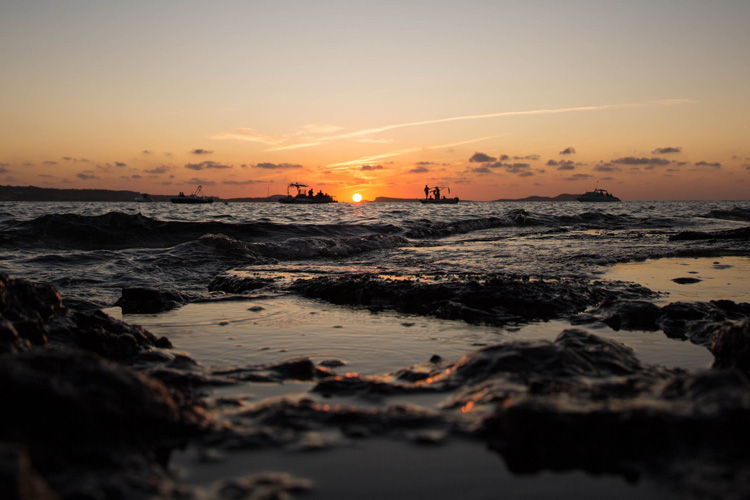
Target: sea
(91, 251)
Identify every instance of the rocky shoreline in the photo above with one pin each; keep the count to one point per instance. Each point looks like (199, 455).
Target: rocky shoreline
(95, 407)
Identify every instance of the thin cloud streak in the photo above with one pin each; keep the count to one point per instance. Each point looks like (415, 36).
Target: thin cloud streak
(369, 159)
(386, 128)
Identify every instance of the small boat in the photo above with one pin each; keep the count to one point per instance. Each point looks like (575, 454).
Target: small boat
(196, 197)
(440, 201)
(433, 197)
(598, 195)
(304, 196)
(144, 198)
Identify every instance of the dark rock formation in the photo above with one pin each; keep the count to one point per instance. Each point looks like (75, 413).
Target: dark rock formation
(731, 347)
(149, 300)
(694, 321)
(489, 299)
(237, 284)
(730, 234)
(74, 424)
(299, 368)
(32, 315)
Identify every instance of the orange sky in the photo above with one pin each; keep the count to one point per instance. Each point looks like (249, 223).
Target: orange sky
(495, 99)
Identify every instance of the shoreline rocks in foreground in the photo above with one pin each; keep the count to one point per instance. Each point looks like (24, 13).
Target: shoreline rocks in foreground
(98, 405)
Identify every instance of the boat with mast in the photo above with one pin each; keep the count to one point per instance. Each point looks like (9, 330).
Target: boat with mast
(196, 197)
(433, 196)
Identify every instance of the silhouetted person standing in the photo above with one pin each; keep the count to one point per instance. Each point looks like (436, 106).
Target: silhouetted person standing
(426, 191)
(437, 193)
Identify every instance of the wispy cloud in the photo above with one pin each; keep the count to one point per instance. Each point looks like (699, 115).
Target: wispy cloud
(370, 159)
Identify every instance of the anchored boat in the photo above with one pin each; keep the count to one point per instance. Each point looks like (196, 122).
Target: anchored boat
(433, 196)
(598, 195)
(196, 197)
(305, 196)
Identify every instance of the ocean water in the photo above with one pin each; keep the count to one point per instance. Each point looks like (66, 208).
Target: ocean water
(91, 251)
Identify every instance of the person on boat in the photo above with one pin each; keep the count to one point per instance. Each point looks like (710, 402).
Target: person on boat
(426, 192)
(182, 194)
(310, 193)
(437, 193)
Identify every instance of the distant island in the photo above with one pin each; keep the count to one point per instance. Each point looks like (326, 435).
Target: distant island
(559, 197)
(33, 193)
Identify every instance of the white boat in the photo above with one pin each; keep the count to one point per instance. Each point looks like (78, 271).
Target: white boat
(196, 197)
(144, 198)
(304, 196)
(598, 195)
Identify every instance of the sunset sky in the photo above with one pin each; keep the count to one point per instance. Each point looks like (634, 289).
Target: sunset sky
(496, 99)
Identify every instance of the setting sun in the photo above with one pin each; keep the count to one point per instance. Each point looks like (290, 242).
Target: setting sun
(357, 197)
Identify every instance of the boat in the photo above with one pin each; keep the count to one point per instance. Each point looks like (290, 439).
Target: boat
(196, 197)
(440, 201)
(303, 196)
(598, 195)
(144, 198)
(433, 197)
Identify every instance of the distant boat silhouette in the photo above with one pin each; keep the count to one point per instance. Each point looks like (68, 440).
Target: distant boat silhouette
(435, 198)
(305, 197)
(144, 198)
(196, 197)
(598, 195)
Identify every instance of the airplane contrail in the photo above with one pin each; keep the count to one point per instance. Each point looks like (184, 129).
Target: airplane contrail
(399, 152)
(385, 128)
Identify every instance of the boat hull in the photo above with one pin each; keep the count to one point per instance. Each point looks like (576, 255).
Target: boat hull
(441, 201)
(191, 201)
(598, 199)
(299, 200)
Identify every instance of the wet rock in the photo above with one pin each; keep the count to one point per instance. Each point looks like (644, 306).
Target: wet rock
(19, 480)
(689, 414)
(686, 281)
(100, 333)
(731, 234)
(694, 321)
(332, 363)
(298, 368)
(10, 341)
(237, 284)
(490, 299)
(272, 485)
(303, 415)
(70, 396)
(731, 347)
(630, 315)
(32, 315)
(149, 300)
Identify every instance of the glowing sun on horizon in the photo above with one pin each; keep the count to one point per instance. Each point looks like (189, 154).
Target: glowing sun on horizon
(357, 197)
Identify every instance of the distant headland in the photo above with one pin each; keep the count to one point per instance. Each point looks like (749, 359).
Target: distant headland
(559, 197)
(33, 193)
